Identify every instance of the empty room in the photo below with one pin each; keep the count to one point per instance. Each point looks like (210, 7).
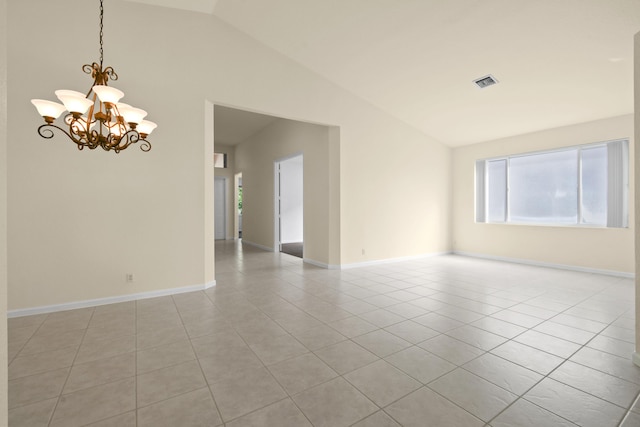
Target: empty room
(319, 213)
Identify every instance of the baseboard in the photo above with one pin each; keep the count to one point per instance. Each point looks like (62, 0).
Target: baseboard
(257, 245)
(108, 300)
(321, 264)
(391, 260)
(548, 264)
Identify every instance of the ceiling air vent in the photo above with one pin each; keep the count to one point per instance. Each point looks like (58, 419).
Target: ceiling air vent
(485, 81)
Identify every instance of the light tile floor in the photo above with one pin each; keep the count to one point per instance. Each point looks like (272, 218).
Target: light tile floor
(444, 341)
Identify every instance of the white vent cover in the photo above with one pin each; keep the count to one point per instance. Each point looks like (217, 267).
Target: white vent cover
(485, 81)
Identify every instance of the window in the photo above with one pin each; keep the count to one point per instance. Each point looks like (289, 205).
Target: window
(220, 160)
(584, 185)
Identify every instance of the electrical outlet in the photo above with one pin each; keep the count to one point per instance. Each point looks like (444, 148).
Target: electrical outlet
(129, 277)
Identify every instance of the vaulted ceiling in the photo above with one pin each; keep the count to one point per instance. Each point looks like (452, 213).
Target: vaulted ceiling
(558, 62)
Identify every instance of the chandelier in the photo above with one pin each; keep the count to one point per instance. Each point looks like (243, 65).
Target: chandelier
(96, 119)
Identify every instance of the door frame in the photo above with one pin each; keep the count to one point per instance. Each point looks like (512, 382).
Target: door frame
(277, 241)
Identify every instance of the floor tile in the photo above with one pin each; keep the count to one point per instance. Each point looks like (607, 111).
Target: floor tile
(352, 326)
(412, 331)
(503, 373)
(567, 333)
(420, 364)
(127, 419)
(251, 390)
(619, 333)
(476, 337)
(499, 327)
(100, 371)
(424, 404)
(283, 414)
(103, 349)
(632, 419)
(379, 419)
(319, 337)
(406, 310)
(478, 396)
(192, 409)
(34, 415)
(227, 362)
(451, 350)
(516, 318)
(574, 405)
(525, 414)
(169, 382)
(41, 362)
(438, 322)
(382, 383)
(381, 343)
(34, 388)
(612, 346)
(528, 357)
(334, 404)
(381, 318)
(301, 373)
(579, 323)
(94, 404)
(46, 342)
(277, 349)
(599, 384)
(346, 356)
(161, 336)
(621, 367)
(548, 343)
(166, 355)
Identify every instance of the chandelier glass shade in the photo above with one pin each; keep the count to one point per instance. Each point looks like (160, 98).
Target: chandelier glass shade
(97, 119)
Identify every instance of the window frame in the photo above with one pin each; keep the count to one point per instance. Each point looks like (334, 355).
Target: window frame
(482, 197)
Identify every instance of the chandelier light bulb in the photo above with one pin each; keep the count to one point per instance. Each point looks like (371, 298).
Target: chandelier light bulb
(48, 108)
(145, 127)
(107, 94)
(131, 114)
(74, 102)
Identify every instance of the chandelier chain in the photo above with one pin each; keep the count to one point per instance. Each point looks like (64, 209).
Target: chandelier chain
(101, 33)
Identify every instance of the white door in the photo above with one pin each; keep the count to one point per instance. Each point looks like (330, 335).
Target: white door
(220, 207)
(289, 201)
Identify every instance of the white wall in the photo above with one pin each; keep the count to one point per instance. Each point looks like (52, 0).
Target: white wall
(3, 214)
(228, 173)
(592, 248)
(636, 73)
(255, 158)
(291, 200)
(80, 220)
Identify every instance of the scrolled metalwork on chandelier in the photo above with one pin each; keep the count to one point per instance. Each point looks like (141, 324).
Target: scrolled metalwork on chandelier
(96, 119)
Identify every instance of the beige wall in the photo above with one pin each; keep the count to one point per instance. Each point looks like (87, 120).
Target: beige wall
(255, 158)
(80, 220)
(592, 248)
(228, 173)
(636, 73)
(3, 213)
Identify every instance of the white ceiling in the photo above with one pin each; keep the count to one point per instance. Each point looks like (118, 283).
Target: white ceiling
(558, 62)
(232, 126)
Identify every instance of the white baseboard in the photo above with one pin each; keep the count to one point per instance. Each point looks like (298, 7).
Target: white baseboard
(548, 264)
(390, 260)
(108, 300)
(257, 245)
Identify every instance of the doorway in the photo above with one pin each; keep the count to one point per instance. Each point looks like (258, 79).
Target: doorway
(238, 206)
(289, 198)
(220, 207)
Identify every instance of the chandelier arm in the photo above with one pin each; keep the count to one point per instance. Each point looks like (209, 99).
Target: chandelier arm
(47, 133)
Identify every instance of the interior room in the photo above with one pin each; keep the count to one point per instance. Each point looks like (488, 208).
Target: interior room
(464, 213)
